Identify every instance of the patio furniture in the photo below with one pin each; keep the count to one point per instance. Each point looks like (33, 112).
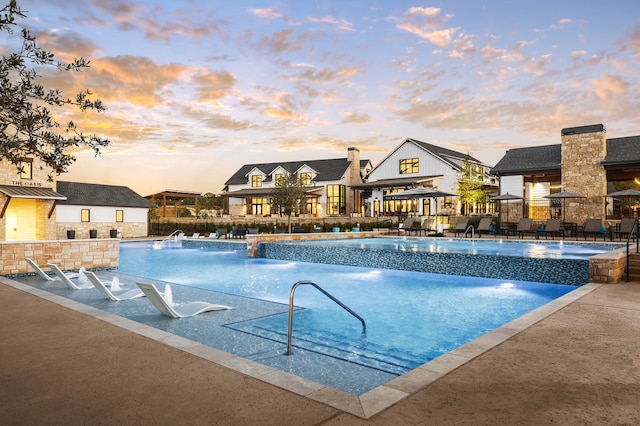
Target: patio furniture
(593, 227)
(181, 311)
(112, 295)
(461, 226)
(424, 227)
(485, 225)
(525, 226)
(553, 228)
(625, 228)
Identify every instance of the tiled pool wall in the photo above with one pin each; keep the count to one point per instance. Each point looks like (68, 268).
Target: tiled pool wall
(556, 271)
(217, 244)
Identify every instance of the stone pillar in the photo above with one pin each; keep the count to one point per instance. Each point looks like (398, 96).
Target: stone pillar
(583, 150)
(353, 199)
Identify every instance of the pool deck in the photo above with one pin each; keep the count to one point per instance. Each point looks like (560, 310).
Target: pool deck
(577, 364)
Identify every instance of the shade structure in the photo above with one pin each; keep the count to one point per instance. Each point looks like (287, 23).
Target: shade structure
(421, 192)
(506, 197)
(563, 195)
(625, 193)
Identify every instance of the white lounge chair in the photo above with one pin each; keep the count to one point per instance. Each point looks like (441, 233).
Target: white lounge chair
(39, 270)
(102, 288)
(66, 278)
(182, 311)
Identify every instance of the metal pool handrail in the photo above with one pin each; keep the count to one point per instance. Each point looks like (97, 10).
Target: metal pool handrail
(634, 228)
(470, 227)
(323, 291)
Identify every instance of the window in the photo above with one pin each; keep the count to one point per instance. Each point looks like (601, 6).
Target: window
(119, 215)
(305, 178)
(256, 181)
(259, 206)
(26, 169)
(336, 200)
(409, 165)
(85, 215)
(279, 178)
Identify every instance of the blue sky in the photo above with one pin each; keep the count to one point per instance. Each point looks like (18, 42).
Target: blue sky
(195, 89)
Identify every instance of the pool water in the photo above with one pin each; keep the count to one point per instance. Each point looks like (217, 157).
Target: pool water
(412, 317)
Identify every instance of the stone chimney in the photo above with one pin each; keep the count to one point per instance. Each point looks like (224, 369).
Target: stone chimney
(583, 149)
(353, 195)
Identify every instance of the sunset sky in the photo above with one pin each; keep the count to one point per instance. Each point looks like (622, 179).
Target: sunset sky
(197, 88)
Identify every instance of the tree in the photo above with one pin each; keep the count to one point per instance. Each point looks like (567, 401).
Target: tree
(289, 196)
(469, 185)
(27, 109)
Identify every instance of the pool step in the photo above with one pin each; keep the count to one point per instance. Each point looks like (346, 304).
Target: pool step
(634, 267)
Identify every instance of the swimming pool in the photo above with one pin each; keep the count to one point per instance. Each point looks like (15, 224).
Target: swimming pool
(412, 317)
(557, 262)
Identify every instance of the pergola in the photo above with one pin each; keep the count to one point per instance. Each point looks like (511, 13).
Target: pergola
(172, 196)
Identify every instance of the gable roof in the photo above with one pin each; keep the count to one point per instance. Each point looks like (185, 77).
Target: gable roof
(620, 151)
(91, 194)
(327, 170)
(444, 154)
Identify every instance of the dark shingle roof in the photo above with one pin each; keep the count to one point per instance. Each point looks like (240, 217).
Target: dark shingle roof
(623, 151)
(444, 152)
(90, 194)
(620, 151)
(327, 169)
(531, 159)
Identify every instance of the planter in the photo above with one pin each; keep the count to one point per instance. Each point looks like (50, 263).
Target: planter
(93, 233)
(71, 234)
(113, 233)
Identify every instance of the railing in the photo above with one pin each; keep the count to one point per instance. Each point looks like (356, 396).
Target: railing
(174, 234)
(323, 291)
(470, 227)
(633, 229)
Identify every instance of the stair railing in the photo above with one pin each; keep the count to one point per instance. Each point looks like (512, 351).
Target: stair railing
(633, 229)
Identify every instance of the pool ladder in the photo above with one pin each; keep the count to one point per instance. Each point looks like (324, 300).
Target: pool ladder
(323, 291)
(469, 228)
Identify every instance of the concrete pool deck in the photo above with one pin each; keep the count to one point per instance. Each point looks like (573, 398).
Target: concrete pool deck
(577, 365)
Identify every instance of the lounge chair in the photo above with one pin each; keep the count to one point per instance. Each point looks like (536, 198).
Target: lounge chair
(525, 226)
(593, 226)
(195, 235)
(553, 228)
(102, 288)
(187, 310)
(39, 270)
(461, 226)
(221, 232)
(625, 228)
(253, 231)
(424, 227)
(238, 232)
(66, 278)
(484, 226)
(407, 224)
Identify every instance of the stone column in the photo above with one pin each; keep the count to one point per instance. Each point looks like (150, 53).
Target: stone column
(583, 150)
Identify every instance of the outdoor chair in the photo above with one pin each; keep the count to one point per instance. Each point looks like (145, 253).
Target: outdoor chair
(39, 270)
(181, 311)
(66, 278)
(221, 232)
(553, 228)
(593, 227)
(101, 286)
(424, 227)
(625, 228)
(461, 226)
(485, 225)
(238, 232)
(525, 226)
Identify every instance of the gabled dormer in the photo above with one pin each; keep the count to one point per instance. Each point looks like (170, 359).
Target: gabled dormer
(256, 178)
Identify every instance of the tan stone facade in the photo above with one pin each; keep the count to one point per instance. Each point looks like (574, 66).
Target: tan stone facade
(583, 173)
(68, 255)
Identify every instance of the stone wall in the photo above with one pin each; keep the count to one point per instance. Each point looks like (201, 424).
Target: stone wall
(125, 229)
(608, 268)
(67, 254)
(583, 174)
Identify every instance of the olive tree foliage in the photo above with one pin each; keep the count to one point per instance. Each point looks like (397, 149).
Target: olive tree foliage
(470, 186)
(289, 196)
(28, 110)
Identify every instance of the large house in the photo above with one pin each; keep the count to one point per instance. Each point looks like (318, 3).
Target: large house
(585, 163)
(414, 163)
(330, 186)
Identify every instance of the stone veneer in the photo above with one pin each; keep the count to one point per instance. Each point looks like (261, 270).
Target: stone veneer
(608, 268)
(67, 254)
(582, 173)
(125, 229)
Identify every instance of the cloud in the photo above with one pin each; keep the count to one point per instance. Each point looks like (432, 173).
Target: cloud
(212, 86)
(351, 117)
(425, 22)
(282, 41)
(269, 14)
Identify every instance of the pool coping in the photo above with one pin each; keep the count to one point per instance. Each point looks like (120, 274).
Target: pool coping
(365, 405)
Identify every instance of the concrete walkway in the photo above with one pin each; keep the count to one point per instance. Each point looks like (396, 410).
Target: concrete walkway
(580, 365)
